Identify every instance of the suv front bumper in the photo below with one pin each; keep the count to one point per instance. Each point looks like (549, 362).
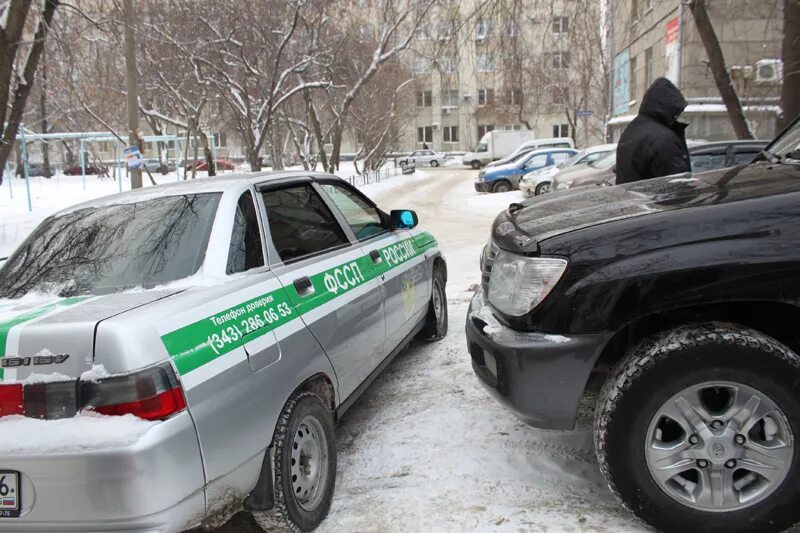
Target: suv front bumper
(540, 377)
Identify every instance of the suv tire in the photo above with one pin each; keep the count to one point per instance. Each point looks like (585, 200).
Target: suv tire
(435, 327)
(305, 428)
(720, 365)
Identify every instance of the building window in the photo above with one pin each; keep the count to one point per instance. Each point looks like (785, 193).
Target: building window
(485, 63)
(483, 29)
(485, 97)
(422, 65)
(514, 97)
(560, 60)
(483, 129)
(450, 134)
(632, 79)
(425, 134)
(447, 64)
(648, 67)
(558, 95)
(423, 32)
(450, 98)
(561, 130)
(220, 140)
(446, 30)
(560, 25)
(424, 98)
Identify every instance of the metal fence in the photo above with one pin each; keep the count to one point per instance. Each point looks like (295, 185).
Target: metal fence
(374, 176)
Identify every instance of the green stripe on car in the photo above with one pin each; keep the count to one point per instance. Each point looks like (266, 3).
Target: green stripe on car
(199, 343)
(5, 327)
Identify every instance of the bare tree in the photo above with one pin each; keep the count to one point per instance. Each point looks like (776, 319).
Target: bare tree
(790, 95)
(18, 62)
(720, 71)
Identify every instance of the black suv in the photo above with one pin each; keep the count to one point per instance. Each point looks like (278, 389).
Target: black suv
(680, 297)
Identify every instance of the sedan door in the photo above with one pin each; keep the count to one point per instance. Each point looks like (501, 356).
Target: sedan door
(327, 278)
(393, 258)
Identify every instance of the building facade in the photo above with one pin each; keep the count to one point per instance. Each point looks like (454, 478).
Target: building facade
(515, 64)
(652, 38)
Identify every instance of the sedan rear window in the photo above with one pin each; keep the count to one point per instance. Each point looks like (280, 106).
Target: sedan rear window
(101, 250)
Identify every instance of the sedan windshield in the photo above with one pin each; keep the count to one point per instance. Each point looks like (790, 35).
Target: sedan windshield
(100, 250)
(605, 162)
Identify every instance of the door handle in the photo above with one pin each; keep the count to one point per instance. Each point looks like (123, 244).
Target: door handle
(304, 286)
(376, 257)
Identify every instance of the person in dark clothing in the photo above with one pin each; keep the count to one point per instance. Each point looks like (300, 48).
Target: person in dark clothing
(654, 143)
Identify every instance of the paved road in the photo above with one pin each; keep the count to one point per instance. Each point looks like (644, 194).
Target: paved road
(426, 448)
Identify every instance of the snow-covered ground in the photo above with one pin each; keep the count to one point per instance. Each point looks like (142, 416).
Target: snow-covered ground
(426, 448)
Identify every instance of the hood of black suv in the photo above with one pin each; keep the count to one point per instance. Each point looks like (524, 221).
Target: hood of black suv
(523, 226)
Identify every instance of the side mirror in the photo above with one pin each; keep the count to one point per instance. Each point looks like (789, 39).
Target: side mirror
(404, 219)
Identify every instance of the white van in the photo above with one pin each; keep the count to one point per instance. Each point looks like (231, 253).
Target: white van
(496, 144)
(536, 144)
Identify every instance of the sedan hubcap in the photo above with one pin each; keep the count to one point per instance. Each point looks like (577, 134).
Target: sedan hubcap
(719, 446)
(309, 463)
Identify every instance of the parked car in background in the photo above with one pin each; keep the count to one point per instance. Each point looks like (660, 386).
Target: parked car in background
(721, 154)
(506, 177)
(35, 170)
(93, 168)
(530, 146)
(423, 158)
(208, 333)
(222, 164)
(672, 305)
(598, 172)
(495, 145)
(539, 181)
(154, 165)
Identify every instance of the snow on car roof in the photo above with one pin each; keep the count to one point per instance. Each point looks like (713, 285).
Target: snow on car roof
(195, 186)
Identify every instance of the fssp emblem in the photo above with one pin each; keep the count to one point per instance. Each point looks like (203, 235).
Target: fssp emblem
(12, 362)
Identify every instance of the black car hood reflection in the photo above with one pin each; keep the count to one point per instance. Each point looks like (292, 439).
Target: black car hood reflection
(521, 229)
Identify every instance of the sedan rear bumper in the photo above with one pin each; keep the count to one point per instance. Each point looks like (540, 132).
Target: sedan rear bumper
(153, 485)
(540, 377)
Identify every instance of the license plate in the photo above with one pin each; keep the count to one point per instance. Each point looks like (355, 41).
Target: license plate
(10, 501)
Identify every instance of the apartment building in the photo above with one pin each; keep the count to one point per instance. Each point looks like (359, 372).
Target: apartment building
(513, 65)
(652, 38)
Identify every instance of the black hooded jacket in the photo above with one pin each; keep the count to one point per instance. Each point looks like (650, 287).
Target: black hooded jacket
(654, 143)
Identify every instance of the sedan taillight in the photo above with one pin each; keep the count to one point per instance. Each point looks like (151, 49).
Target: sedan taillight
(151, 394)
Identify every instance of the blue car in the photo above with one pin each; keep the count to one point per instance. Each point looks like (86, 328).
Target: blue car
(506, 177)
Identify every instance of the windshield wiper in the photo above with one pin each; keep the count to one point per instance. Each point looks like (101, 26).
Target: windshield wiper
(772, 158)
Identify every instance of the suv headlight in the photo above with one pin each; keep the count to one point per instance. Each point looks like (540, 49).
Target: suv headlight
(517, 283)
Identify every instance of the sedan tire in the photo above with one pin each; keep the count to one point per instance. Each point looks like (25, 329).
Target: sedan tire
(434, 163)
(695, 430)
(436, 321)
(304, 465)
(501, 186)
(542, 188)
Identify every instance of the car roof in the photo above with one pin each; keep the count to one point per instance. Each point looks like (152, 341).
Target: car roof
(600, 148)
(220, 184)
(718, 144)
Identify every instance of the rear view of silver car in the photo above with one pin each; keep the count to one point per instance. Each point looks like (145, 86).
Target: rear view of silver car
(168, 355)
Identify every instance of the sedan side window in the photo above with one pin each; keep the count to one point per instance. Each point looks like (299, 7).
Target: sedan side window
(300, 223)
(363, 219)
(708, 160)
(245, 251)
(537, 161)
(560, 157)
